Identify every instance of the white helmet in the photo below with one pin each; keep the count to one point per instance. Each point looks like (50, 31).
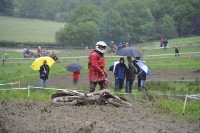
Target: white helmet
(101, 43)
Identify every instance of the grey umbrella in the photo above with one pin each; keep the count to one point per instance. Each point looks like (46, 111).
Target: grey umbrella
(129, 51)
(74, 67)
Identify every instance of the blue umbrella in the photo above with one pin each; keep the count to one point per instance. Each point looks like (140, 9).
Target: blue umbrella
(74, 67)
(143, 66)
(129, 51)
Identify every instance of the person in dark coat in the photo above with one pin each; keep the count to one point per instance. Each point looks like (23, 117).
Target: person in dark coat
(120, 74)
(44, 72)
(176, 47)
(130, 77)
(165, 43)
(143, 79)
(137, 72)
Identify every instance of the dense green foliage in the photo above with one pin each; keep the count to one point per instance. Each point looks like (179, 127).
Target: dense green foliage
(132, 21)
(82, 27)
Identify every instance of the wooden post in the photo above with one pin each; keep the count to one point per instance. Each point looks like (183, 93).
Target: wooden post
(19, 84)
(185, 103)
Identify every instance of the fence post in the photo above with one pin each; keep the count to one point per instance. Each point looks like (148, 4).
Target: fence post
(185, 103)
(28, 91)
(19, 84)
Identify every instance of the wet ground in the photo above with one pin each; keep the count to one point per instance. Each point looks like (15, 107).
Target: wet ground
(44, 117)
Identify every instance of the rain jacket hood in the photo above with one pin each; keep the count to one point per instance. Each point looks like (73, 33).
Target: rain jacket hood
(121, 60)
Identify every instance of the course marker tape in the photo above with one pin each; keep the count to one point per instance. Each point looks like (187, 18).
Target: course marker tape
(10, 83)
(15, 89)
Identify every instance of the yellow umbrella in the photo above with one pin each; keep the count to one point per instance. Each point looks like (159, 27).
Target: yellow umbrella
(39, 61)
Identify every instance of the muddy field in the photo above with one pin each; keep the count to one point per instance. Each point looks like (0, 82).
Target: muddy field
(44, 117)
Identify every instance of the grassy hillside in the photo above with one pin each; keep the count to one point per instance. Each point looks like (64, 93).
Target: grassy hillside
(28, 30)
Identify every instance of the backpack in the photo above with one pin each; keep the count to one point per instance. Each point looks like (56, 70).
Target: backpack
(89, 59)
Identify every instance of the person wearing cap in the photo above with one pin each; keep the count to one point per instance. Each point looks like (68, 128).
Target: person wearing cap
(44, 72)
(96, 66)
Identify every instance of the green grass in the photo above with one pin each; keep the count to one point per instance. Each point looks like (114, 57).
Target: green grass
(175, 107)
(28, 30)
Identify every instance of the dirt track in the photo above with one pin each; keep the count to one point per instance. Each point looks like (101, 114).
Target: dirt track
(44, 117)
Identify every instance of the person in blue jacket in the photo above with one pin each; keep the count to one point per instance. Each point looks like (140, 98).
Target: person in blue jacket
(143, 79)
(120, 74)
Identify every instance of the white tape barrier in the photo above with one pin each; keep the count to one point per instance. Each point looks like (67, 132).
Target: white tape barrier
(10, 59)
(190, 96)
(10, 83)
(15, 89)
(45, 88)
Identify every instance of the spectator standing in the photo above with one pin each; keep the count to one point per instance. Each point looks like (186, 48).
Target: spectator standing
(143, 79)
(44, 72)
(137, 73)
(120, 74)
(4, 58)
(25, 53)
(76, 76)
(96, 65)
(161, 42)
(119, 46)
(39, 51)
(5, 55)
(130, 76)
(54, 57)
(176, 47)
(165, 44)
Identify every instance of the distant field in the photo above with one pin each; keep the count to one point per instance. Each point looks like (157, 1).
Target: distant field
(28, 30)
(34, 30)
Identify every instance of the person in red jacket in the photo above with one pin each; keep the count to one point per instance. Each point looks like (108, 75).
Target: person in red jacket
(161, 42)
(39, 51)
(76, 76)
(96, 65)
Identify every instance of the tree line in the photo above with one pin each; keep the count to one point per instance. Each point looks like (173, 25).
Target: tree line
(133, 21)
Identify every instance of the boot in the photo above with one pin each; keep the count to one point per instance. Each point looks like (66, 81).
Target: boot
(140, 89)
(127, 91)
